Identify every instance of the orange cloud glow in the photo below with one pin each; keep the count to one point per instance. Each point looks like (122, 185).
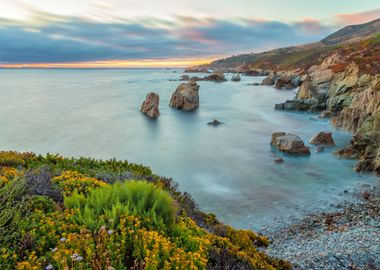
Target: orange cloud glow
(179, 63)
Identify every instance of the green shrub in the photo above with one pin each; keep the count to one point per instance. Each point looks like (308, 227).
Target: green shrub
(13, 207)
(42, 203)
(105, 206)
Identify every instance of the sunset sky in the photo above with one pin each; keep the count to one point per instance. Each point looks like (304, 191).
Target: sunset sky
(146, 33)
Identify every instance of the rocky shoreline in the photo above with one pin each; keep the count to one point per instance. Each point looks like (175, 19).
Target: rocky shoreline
(347, 238)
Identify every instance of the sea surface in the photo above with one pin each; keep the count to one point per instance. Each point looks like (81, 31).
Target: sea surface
(229, 169)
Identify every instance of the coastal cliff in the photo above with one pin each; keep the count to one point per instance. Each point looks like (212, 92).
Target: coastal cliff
(346, 87)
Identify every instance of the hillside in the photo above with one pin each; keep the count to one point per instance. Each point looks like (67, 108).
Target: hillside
(298, 57)
(353, 33)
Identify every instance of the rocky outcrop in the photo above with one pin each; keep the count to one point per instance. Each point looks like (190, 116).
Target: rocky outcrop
(196, 70)
(289, 143)
(346, 87)
(324, 138)
(256, 72)
(216, 76)
(270, 79)
(185, 96)
(285, 79)
(300, 105)
(150, 105)
(236, 78)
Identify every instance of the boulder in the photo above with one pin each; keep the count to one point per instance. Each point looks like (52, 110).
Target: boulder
(185, 96)
(289, 143)
(214, 123)
(236, 78)
(216, 76)
(270, 79)
(324, 138)
(150, 105)
(284, 82)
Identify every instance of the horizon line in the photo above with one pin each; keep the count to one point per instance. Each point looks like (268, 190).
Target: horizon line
(112, 64)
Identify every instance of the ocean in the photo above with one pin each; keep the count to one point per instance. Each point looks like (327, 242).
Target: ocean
(228, 169)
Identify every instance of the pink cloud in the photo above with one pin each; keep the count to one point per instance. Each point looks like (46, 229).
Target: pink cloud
(311, 26)
(357, 18)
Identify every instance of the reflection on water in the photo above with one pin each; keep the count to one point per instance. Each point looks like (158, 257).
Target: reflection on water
(228, 169)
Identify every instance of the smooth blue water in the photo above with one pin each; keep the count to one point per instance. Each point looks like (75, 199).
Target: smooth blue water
(228, 169)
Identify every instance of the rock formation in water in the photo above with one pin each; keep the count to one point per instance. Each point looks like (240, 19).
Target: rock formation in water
(150, 105)
(285, 79)
(270, 79)
(214, 123)
(216, 76)
(185, 96)
(254, 72)
(289, 143)
(346, 87)
(236, 78)
(338, 76)
(196, 70)
(324, 138)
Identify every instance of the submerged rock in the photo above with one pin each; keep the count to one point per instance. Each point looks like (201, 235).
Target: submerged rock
(319, 149)
(324, 138)
(214, 123)
(236, 78)
(185, 96)
(289, 143)
(150, 105)
(278, 160)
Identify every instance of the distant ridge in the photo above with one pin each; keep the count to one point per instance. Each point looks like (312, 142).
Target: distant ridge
(353, 33)
(298, 57)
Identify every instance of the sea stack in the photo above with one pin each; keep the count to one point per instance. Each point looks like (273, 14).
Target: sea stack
(185, 97)
(150, 105)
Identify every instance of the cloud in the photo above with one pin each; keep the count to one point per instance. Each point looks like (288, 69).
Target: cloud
(70, 39)
(357, 18)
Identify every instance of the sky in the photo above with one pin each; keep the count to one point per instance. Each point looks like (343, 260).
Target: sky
(157, 33)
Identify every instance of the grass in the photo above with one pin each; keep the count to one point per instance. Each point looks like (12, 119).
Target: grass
(105, 206)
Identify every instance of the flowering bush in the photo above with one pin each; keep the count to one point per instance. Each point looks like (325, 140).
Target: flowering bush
(130, 225)
(71, 180)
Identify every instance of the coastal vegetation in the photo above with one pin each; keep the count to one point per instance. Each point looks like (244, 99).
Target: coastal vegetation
(82, 213)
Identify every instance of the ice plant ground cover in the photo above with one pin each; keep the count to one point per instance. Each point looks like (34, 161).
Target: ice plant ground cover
(61, 213)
